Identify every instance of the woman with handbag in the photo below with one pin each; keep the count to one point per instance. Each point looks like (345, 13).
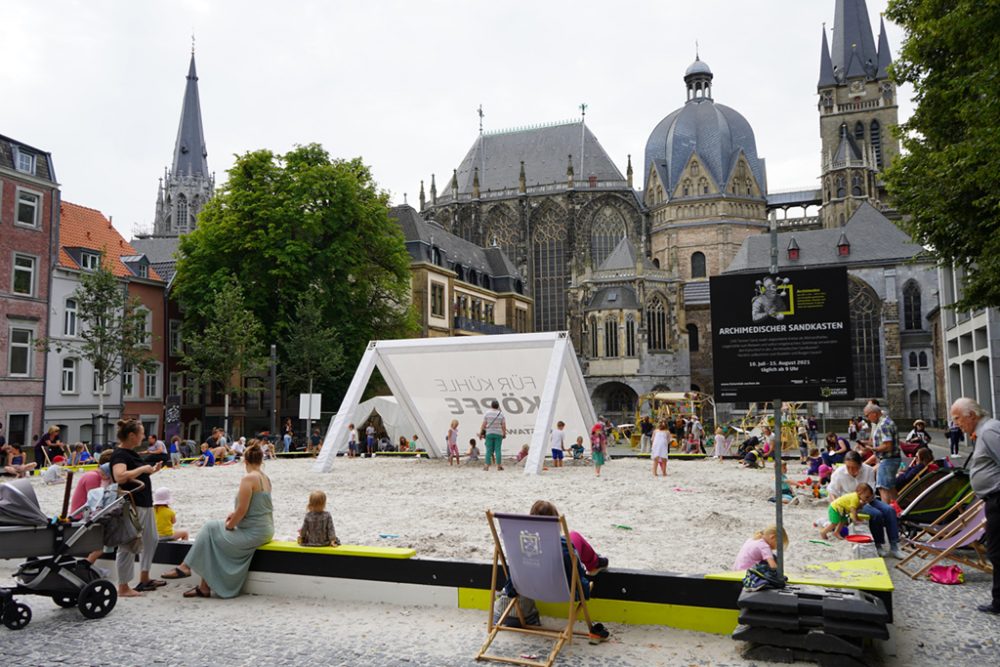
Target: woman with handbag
(494, 430)
(132, 475)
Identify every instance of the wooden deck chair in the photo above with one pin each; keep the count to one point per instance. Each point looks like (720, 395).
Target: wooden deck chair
(942, 539)
(529, 550)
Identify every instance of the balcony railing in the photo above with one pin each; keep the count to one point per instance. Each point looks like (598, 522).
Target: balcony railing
(475, 326)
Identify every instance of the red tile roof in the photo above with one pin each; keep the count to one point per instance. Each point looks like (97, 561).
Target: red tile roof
(82, 227)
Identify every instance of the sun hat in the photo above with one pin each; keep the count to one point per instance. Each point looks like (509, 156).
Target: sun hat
(162, 496)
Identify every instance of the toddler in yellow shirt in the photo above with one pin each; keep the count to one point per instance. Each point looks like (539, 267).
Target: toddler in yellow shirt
(845, 508)
(166, 517)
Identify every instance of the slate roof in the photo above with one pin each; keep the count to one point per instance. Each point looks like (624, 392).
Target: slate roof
(613, 298)
(190, 150)
(853, 53)
(716, 132)
(82, 228)
(423, 236)
(874, 239)
(623, 257)
(43, 160)
(161, 251)
(545, 152)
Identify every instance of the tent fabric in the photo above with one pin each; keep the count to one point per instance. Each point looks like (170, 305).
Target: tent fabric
(394, 419)
(19, 506)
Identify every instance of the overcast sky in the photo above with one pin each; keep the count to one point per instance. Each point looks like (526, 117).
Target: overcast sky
(99, 83)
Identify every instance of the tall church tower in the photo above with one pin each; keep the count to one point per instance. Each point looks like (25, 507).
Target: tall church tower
(188, 184)
(857, 108)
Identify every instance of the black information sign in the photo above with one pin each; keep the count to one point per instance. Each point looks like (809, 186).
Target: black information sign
(786, 336)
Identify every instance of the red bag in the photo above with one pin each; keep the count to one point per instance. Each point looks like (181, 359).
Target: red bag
(946, 574)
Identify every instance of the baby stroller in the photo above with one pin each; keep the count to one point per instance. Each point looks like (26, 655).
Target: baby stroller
(747, 445)
(53, 549)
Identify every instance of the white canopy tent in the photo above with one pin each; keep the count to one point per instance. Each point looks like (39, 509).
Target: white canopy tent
(535, 377)
(396, 423)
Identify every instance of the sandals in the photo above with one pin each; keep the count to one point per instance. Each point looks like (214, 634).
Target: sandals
(196, 592)
(176, 573)
(151, 585)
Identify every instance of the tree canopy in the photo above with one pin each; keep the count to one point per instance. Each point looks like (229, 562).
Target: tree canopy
(285, 223)
(946, 181)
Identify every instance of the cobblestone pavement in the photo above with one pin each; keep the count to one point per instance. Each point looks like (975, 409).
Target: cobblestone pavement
(934, 625)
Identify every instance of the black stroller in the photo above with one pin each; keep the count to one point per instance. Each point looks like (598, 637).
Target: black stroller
(53, 549)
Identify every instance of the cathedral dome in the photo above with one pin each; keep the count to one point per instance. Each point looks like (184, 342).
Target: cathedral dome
(715, 132)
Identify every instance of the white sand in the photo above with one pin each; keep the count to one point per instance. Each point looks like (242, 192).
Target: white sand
(693, 521)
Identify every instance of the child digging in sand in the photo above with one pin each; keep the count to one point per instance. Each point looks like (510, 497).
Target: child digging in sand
(846, 506)
(760, 547)
(473, 455)
(317, 528)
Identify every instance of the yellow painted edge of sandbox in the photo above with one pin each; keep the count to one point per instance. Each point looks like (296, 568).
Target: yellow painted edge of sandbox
(342, 550)
(869, 574)
(682, 617)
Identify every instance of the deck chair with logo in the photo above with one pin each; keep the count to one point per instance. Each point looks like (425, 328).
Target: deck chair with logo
(529, 551)
(960, 528)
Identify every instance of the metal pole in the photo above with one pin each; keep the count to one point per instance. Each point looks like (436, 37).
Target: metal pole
(920, 395)
(274, 390)
(778, 505)
(309, 413)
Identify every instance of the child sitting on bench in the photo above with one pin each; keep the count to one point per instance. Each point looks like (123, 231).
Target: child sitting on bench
(317, 528)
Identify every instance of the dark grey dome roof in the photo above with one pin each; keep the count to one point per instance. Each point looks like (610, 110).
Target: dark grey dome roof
(699, 66)
(715, 132)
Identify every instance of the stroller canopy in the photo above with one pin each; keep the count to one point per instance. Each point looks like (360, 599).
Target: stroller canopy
(19, 506)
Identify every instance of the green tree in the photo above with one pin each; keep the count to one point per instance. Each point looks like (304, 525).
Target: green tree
(284, 223)
(314, 351)
(112, 332)
(945, 182)
(228, 345)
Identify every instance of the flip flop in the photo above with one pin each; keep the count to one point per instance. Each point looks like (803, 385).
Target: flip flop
(196, 592)
(176, 573)
(144, 587)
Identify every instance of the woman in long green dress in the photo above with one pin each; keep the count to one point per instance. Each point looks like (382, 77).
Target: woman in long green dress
(222, 550)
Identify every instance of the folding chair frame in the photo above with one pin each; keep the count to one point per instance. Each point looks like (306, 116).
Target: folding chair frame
(562, 636)
(946, 526)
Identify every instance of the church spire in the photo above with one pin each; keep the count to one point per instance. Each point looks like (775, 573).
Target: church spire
(884, 57)
(853, 50)
(190, 152)
(826, 78)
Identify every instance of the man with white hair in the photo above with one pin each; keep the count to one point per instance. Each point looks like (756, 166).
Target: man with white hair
(885, 443)
(984, 473)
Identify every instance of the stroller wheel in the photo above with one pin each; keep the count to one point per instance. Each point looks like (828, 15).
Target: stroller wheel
(97, 599)
(17, 616)
(65, 601)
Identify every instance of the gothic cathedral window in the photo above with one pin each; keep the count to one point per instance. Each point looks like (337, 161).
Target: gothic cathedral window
(656, 324)
(551, 269)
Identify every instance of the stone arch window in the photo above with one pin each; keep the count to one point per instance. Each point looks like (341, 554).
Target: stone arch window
(694, 168)
(659, 193)
(693, 342)
(502, 230)
(866, 326)
(656, 262)
(698, 265)
(606, 232)
(841, 186)
(922, 360)
(859, 130)
(749, 186)
(913, 359)
(911, 306)
(630, 335)
(656, 324)
(465, 225)
(550, 261)
(593, 337)
(703, 185)
(875, 136)
(182, 213)
(856, 190)
(686, 187)
(611, 337)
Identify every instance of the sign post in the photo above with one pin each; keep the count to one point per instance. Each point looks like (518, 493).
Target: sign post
(777, 337)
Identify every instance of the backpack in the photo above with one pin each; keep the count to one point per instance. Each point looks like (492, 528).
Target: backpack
(762, 576)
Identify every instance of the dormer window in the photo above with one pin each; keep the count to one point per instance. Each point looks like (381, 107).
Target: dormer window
(142, 270)
(793, 250)
(843, 246)
(90, 261)
(25, 162)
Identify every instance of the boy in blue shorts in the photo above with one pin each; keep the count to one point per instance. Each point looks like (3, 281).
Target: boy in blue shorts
(556, 442)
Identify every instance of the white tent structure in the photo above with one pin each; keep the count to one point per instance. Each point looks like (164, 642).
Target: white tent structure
(535, 377)
(395, 421)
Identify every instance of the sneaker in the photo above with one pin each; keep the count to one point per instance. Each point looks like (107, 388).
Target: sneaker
(881, 551)
(602, 565)
(985, 608)
(895, 552)
(598, 633)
